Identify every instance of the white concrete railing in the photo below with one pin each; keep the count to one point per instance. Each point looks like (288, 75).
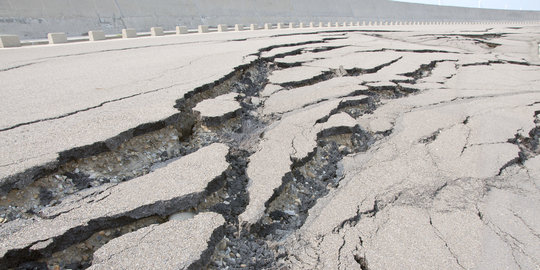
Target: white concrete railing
(7, 41)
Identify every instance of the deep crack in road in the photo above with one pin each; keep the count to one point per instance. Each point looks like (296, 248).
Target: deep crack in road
(318, 150)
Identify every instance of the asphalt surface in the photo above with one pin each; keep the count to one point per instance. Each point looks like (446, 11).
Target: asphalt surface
(442, 173)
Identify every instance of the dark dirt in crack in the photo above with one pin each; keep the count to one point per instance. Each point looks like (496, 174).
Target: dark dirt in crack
(234, 246)
(226, 195)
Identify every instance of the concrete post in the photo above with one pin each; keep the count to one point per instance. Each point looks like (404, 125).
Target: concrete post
(301, 25)
(180, 30)
(311, 24)
(129, 33)
(7, 41)
(56, 38)
(291, 25)
(253, 27)
(321, 24)
(222, 28)
(280, 26)
(238, 27)
(267, 26)
(203, 29)
(329, 24)
(156, 31)
(336, 24)
(96, 35)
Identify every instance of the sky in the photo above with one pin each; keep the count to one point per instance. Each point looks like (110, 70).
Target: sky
(498, 4)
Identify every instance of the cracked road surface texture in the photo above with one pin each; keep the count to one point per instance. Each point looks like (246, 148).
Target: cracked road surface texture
(416, 147)
(161, 243)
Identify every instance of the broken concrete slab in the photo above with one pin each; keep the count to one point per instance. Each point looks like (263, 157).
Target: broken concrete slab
(292, 139)
(162, 243)
(269, 89)
(179, 185)
(215, 111)
(281, 52)
(405, 182)
(295, 74)
(365, 61)
(102, 107)
(339, 120)
(272, 161)
(295, 98)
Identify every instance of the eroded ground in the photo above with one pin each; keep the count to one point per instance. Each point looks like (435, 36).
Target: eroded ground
(405, 148)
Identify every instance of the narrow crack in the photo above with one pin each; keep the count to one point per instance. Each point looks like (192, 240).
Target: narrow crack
(409, 50)
(339, 251)
(439, 235)
(499, 62)
(256, 246)
(19, 66)
(352, 221)
(86, 109)
(512, 243)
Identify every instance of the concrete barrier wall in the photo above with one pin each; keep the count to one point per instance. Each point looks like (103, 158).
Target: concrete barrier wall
(35, 18)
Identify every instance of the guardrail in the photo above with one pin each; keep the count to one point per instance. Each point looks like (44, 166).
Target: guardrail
(9, 41)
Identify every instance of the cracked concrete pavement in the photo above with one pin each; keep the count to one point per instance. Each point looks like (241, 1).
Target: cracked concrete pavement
(172, 245)
(159, 192)
(431, 136)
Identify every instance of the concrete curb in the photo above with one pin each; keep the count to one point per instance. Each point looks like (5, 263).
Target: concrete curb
(57, 38)
(7, 41)
(129, 33)
(96, 35)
